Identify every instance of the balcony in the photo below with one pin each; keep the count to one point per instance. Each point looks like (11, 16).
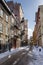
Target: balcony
(6, 34)
(22, 33)
(16, 26)
(16, 36)
(22, 20)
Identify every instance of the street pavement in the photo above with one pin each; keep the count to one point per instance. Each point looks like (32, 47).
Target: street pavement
(9, 60)
(22, 57)
(30, 59)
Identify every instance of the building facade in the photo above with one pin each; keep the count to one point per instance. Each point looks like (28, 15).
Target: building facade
(24, 32)
(16, 8)
(9, 27)
(15, 32)
(13, 28)
(18, 12)
(4, 24)
(39, 26)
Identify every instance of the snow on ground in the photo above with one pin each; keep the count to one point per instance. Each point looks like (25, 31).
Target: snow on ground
(37, 52)
(37, 56)
(39, 61)
(2, 55)
(25, 47)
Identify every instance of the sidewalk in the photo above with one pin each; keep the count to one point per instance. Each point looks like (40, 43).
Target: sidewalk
(2, 55)
(36, 57)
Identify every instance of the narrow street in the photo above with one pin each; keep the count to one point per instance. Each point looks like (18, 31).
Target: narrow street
(29, 59)
(22, 57)
(21, 32)
(12, 58)
(8, 60)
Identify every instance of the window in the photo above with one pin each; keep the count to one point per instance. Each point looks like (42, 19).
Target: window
(22, 28)
(7, 29)
(6, 18)
(0, 27)
(12, 20)
(0, 35)
(1, 13)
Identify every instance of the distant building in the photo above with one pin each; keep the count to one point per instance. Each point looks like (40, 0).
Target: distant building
(15, 32)
(31, 41)
(9, 27)
(24, 32)
(39, 26)
(4, 24)
(16, 8)
(35, 35)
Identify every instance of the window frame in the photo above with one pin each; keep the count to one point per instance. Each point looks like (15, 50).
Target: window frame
(6, 18)
(1, 12)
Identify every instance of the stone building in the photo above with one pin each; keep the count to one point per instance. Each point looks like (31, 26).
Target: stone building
(39, 26)
(9, 27)
(4, 24)
(24, 32)
(16, 8)
(15, 32)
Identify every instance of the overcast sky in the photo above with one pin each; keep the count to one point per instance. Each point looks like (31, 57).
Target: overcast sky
(29, 8)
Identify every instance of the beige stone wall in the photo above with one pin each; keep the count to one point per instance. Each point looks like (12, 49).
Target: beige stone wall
(18, 42)
(4, 23)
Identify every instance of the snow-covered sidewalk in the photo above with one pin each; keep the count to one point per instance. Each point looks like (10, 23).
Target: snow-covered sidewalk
(37, 56)
(2, 55)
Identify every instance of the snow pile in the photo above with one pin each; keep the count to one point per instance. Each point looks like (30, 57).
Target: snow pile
(21, 48)
(25, 47)
(37, 58)
(2, 55)
(13, 50)
(38, 61)
(37, 51)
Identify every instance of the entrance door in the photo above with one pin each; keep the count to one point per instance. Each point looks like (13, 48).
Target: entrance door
(14, 43)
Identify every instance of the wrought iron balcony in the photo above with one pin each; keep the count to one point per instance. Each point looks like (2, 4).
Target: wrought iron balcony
(22, 32)
(16, 35)
(16, 26)
(22, 20)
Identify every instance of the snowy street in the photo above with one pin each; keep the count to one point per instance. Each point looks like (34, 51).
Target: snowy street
(22, 56)
(37, 58)
(34, 57)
